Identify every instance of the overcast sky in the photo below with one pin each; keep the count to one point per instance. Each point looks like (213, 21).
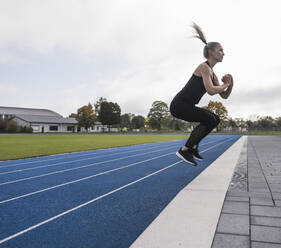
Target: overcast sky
(62, 54)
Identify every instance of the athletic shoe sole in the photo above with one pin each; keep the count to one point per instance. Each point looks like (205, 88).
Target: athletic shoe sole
(181, 157)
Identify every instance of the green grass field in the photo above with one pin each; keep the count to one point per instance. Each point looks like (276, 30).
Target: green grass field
(24, 146)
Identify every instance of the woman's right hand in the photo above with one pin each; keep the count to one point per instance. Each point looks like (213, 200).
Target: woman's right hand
(227, 79)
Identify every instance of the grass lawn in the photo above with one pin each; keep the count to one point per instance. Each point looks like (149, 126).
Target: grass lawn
(24, 146)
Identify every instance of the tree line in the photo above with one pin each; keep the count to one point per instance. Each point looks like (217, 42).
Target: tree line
(159, 118)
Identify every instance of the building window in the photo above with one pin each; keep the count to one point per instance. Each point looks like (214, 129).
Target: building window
(54, 128)
(70, 128)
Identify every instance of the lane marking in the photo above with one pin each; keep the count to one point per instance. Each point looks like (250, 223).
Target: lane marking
(81, 167)
(91, 176)
(84, 204)
(88, 202)
(85, 153)
(71, 161)
(66, 162)
(84, 166)
(84, 178)
(89, 153)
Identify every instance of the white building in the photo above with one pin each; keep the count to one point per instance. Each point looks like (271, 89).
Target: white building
(236, 129)
(99, 128)
(41, 120)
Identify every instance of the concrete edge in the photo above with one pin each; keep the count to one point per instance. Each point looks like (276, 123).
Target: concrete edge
(191, 218)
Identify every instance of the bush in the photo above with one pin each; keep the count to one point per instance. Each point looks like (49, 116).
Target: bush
(22, 129)
(3, 125)
(29, 130)
(13, 127)
(26, 129)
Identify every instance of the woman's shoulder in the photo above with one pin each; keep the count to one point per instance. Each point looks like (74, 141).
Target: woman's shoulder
(201, 68)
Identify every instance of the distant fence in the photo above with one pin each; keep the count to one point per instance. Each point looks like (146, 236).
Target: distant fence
(265, 129)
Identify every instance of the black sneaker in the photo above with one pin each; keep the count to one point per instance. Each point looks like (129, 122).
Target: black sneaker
(196, 154)
(186, 156)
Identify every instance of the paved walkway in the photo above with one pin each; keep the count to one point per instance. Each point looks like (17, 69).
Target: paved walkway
(251, 213)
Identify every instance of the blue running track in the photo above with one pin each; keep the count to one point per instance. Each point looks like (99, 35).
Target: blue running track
(95, 199)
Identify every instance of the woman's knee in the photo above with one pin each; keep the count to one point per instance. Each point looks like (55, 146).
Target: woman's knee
(218, 119)
(213, 121)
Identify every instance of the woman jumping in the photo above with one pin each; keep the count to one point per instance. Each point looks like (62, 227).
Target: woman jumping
(202, 80)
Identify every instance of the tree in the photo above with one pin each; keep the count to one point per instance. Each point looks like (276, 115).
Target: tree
(220, 110)
(138, 122)
(72, 115)
(157, 114)
(232, 123)
(110, 113)
(98, 104)
(278, 121)
(166, 122)
(126, 120)
(177, 124)
(266, 122)
(86, 116)
(249, 124)
(240, 123)
(13, 127)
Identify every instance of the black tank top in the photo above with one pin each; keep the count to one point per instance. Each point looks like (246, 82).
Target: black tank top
(194, 89)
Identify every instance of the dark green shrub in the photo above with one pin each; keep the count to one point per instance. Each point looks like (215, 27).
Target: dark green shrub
(3, 125)
(29, 130)
(13, 127)
(26, 129)
(22, 129)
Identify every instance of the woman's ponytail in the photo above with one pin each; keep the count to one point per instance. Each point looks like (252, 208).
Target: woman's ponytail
(200, 35)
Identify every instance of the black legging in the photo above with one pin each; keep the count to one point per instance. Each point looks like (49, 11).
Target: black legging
(189, 112)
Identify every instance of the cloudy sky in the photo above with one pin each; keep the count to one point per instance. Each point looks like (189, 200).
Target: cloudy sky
(62, 54)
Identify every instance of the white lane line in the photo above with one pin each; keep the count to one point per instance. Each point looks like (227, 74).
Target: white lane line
(84, 166)
(71, 161)
(80, 167)
(84, 178)
(87, 203)
(67, 162)
(82, 155)
(84, 204)
(94, 175)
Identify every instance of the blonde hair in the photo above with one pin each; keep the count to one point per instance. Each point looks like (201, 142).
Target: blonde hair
(200, 35)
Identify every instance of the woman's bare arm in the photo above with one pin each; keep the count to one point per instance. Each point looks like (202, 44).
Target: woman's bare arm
(225, 94)
(227, 78)
(209, 86)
